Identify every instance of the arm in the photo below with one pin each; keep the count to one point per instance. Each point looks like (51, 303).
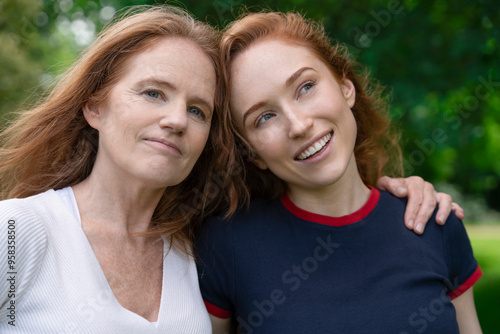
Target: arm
(220, 326)
(23, 242)
(422, 200)
(214, 261)
(468, 322)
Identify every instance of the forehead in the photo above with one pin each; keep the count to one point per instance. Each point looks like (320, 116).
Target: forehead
(265, 66)
(266, 54)
(176, 59)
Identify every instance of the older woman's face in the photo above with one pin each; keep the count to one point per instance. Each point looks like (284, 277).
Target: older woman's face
(156, 120)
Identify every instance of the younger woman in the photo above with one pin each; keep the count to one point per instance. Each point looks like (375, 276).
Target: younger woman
(323, 251)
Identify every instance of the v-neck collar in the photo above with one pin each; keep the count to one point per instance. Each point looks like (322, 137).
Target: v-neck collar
(100, 272)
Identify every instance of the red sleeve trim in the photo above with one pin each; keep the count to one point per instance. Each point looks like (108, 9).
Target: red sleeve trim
(467, 284)
(217, 311)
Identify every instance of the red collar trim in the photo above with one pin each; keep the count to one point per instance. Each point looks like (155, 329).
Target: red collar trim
(334, 221)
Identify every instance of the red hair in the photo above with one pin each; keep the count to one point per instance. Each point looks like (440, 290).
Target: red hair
(376, 149)
(52, 146)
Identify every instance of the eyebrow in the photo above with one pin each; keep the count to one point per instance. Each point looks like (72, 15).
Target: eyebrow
(156, 82)
(296, 75)
(252, 109)
(288, 83)
(164, 83)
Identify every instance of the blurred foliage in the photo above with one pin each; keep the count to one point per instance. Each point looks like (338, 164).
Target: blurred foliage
(439, 58)
(485, 241)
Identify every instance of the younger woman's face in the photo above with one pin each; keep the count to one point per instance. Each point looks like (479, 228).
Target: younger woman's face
(294, 113)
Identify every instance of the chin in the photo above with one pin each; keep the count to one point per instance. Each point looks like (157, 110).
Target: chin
(330, 179)
(162, 180)
(326, 183)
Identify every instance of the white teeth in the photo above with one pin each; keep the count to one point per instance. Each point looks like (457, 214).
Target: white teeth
(314, 148)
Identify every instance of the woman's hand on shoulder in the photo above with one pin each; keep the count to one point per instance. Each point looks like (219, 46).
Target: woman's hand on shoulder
(422, 200)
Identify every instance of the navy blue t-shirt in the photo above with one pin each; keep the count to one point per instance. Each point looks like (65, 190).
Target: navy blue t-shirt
(279, 269)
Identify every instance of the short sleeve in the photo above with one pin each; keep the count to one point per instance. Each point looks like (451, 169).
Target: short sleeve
(215, 263)
(464, 270)
(23, 243)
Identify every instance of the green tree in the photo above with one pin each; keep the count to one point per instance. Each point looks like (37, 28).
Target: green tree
(19, 68)
(439, 59)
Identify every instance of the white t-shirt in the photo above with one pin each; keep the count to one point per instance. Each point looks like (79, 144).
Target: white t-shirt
(56, 285)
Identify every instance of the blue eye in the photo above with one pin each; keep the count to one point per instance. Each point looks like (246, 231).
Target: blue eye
(263, 119)
(153, 94)
(304, 89)
(197, 112)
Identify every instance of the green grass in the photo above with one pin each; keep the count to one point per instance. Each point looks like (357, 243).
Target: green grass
(485, 240)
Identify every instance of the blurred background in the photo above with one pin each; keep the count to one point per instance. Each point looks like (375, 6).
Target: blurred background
(440, 62)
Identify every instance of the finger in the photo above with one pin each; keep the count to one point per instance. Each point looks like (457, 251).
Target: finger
(444, 202)
(457, 209)
(395, 186)
(426, 208)
(415, 196)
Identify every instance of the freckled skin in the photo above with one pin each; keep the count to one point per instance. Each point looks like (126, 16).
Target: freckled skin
(313, 105)
(131, 115)
(152, 129)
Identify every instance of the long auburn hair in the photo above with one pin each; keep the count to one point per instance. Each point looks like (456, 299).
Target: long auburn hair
(52, 146)
(376, 149)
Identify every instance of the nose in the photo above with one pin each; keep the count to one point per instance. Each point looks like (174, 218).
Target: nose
(300, 122)
(175, 117)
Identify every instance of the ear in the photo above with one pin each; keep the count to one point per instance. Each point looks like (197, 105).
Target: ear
(260, 163)
(349, 92)
(255, 159)
(92, 115)
(251, 156)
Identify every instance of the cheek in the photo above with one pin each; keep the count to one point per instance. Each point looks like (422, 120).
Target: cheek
(258, 142)
(120, 133)
(351, 129)
(200, 138)
(351, 120)
(271, 136)
(268, 145)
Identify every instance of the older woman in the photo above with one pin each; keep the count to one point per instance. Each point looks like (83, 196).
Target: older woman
(122, 139)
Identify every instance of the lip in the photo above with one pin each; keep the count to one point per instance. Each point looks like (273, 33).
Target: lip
(310, 142)
(164, 144)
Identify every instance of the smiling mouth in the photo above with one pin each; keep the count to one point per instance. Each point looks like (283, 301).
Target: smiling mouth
(315, 148)
(164, 145)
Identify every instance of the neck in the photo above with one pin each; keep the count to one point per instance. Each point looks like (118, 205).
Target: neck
(347, 195)
(116, 203)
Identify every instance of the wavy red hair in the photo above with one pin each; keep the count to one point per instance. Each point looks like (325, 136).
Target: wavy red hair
(52, 146)
(376, 150)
